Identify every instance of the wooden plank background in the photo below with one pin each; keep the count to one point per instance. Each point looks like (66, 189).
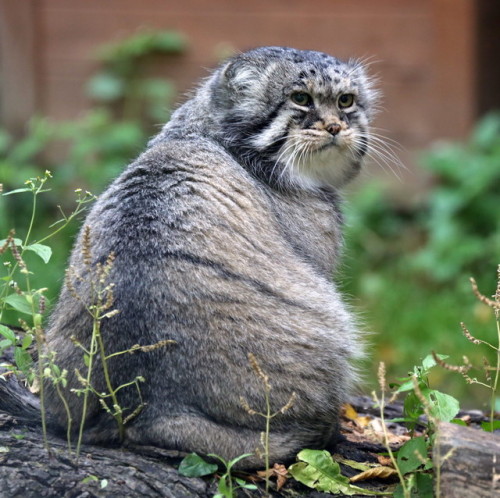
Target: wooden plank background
(425, 52)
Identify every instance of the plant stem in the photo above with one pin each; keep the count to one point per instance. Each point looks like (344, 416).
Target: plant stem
(497, 372)
(391, 454)
(43, 414)
(93, 351)
(32, 220)
(266, 437)
(116, 411)
(68, 414)
(67, 221)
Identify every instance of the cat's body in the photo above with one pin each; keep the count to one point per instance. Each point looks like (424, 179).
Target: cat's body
(225, 234)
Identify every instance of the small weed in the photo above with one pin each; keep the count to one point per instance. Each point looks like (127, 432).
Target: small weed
(17, 292)
(422, 406)
(228, 484)
(268, 415)
(195, 466)
(100, 307)
(491, 373)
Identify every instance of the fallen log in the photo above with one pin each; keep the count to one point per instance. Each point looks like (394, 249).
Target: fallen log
(469, 458)
(469, 461)
(27, 470)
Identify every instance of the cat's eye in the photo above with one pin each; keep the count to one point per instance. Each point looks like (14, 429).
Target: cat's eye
(301, 98)
(345, 100)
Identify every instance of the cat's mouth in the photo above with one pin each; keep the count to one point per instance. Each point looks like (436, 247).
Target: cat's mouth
(320, 141)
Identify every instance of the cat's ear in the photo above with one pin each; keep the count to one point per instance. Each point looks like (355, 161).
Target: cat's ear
(241, 75)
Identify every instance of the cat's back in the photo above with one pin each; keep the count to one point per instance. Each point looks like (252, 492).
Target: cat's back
(191, 197)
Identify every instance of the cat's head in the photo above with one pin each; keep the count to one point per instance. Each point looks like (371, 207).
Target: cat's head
(294, 117)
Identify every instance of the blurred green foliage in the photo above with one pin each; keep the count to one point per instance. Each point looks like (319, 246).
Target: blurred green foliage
(122, 81)
(409, 266)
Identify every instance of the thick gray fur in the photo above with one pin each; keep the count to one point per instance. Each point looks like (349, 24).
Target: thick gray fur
(226, 231)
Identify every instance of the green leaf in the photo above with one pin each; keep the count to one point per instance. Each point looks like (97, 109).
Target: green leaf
(442, 406)
(407, 459)
(398, 492)
(223, 488)
(412, 407)
(424, 485)
(319, 471)
(170, 41)
(194, 466)
(237, 459)
(17, 191)
(8, 334)
(90, 478)
(406, 386)
(106, 86)
(5, 344)
(23, 359)
(487, 131)
(429, 361)
(45, 252)
(20, 303)
(27, 341)
(490, 427)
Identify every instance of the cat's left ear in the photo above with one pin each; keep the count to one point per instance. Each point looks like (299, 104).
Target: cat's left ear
(241, 75)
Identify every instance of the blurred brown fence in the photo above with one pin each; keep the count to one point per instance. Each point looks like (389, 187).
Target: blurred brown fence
(438, 60)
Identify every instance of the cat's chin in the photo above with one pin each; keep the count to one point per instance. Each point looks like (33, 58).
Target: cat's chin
(331, 166)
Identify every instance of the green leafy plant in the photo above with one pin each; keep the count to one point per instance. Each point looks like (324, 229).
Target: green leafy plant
(195, 466)
(422, 406)
(99, 308)
(317, 469)
(228, 484)
(122, 78)
(19, 295)
(460, 218)
(402, 250)
(28, 303)
(491, 373)
(438, 405)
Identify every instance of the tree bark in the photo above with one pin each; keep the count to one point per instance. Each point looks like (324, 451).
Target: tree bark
(470, 462)
(27, 470)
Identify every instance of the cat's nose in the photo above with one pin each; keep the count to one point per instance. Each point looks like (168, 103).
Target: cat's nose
(333, 128)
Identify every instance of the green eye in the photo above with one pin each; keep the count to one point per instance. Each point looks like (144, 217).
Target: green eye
(345, 100)
(301, 98)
